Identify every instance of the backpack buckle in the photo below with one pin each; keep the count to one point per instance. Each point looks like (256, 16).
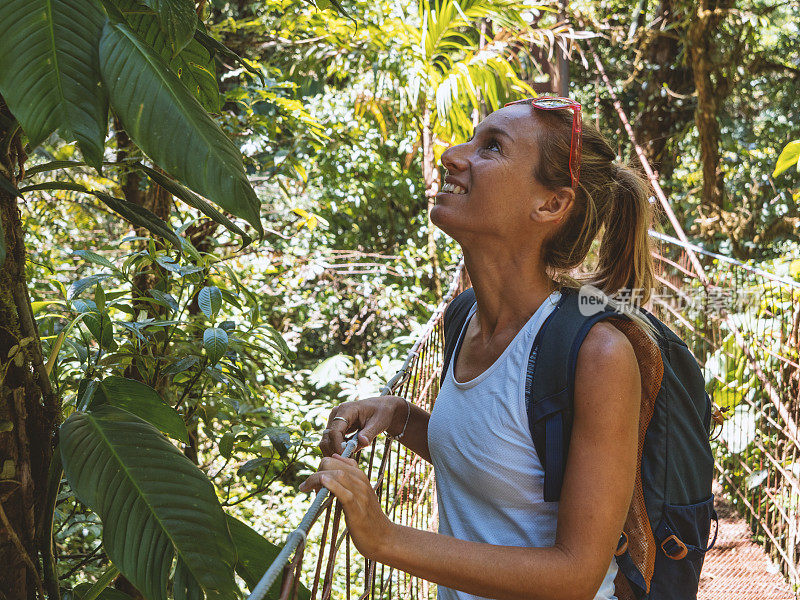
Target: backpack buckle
(677, 549)
(622, 545)
(718, 417)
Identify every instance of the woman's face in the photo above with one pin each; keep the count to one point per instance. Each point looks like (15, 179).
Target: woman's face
(489, 189)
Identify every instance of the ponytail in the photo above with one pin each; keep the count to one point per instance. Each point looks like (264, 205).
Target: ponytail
(625, 260)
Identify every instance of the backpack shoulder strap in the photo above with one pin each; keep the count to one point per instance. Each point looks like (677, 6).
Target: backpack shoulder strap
(550, 384)
(455, 315)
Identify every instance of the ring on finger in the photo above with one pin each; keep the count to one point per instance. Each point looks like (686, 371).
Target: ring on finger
(346, 422)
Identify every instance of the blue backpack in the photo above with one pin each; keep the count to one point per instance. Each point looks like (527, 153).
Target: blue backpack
(665, 537)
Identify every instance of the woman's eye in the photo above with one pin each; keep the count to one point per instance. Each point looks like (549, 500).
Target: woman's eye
(492, 144)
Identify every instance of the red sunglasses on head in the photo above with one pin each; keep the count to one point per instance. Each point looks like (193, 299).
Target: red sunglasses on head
(556, 103)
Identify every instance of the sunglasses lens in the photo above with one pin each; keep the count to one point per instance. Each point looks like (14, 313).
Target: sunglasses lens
(552, 103)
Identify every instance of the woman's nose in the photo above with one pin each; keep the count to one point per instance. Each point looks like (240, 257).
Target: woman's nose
(454, 158)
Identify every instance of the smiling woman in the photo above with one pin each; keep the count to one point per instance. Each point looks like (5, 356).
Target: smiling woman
(525, 206)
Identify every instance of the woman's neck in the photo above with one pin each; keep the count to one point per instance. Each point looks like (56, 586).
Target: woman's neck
(509, 287)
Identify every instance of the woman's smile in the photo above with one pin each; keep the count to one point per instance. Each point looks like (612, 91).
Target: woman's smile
(452, 188)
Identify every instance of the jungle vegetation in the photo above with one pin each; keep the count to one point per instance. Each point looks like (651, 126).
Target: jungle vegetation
(213, 226)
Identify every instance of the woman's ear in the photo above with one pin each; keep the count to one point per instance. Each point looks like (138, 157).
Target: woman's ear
(555, 206)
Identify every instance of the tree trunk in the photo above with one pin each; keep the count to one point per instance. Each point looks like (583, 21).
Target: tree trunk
(29, 408)
(158, 201)
(701, 35)
(539, 55)
(666, 105)
(432, 180)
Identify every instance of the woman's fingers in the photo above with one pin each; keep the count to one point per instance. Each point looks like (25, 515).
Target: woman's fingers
(336, 482)
(342, 419)
(372, 415)
(342, 473)
(367, 523)
(376, 424)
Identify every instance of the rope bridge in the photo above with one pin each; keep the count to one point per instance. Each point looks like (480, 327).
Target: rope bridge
(742, 324)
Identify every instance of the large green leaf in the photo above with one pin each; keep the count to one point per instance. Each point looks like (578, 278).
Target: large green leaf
(254, 556)
(144, 402)
(185, 587)
(194, 65)
(155, 504)
(170, 125)
(139, 216)
(192, 199)
(49, 74)
(178, 20)
(209, 299)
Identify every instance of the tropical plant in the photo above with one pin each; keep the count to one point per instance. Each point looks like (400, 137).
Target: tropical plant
(63, 64)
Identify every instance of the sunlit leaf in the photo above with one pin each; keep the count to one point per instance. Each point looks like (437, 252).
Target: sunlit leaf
(39, 305)
(790, 156)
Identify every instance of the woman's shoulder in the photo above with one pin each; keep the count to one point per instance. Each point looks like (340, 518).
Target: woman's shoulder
(605, 344)
(606, 369)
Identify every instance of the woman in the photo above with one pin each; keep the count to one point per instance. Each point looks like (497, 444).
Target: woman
(525, 218)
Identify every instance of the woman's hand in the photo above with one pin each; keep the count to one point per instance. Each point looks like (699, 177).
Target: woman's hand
(369, 526)
(372, 416)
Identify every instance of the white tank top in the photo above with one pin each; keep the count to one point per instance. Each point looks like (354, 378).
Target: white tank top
(489, 481)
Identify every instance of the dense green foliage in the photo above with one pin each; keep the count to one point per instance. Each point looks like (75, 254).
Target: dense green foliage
(189, 358)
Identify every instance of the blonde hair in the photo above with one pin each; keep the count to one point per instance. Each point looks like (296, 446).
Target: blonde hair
(610, 196)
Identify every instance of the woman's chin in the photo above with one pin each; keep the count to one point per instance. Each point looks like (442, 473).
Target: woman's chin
(436, 213)
(443, 217)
